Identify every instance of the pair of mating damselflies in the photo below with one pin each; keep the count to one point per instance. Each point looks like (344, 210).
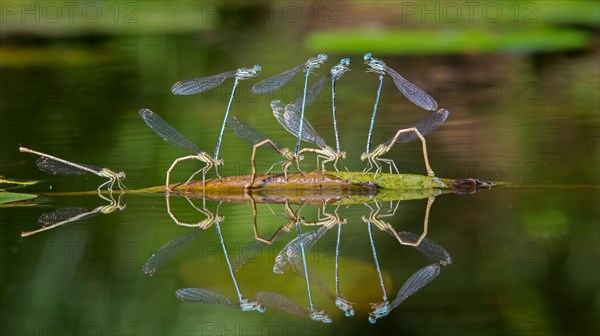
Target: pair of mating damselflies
(420, 278)
(416, 132)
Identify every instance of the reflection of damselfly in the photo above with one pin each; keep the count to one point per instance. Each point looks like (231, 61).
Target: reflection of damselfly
(55, 166)
(58, 217)
(298, 247)
(419, 242)
(280, 302)
(417, 281)
(168, 133)
(203, 295)
(171, 248)
(291, 255)
(198, 294)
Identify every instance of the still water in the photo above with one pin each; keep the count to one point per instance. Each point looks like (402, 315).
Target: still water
(525, 257)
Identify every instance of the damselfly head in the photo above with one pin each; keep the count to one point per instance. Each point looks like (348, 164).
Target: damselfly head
(219, 162)
(322, 57)
(341, 155)
(246, 73)
(345, 61)
(368, 57)
(364, 156)
(121, 175)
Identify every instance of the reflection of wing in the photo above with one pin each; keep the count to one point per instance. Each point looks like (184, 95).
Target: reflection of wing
(62, 216)
(167, 251)
(291, 254)
(59, 215)
(427, 247)
(203, 295)
(315, 278)
(417, 281)
(249, 252)
(280, 302)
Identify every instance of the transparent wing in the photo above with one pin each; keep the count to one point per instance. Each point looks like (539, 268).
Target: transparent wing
(166, 131)
(273, 83)
(167, 251)
(54, 167)
(279, 114)
(203, 295)
(425, 126)
(246, 132)
(417, 281)
(199, 85)
(292, 119)
(314, 91)
(411, 91)
(280, 302)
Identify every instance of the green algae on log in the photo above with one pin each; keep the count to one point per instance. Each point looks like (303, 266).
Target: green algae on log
(317, 180)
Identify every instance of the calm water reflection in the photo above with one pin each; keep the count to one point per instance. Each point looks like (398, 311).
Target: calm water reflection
(525, 260)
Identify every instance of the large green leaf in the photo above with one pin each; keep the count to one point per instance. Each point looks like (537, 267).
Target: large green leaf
(10, 197)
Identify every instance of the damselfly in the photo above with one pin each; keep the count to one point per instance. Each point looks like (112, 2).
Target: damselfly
(53, 165)
(289, 118)
(277, 81)
(408, 89)
(334, 74)
(198, 85)
(168, 133)
(417, 132)
(252, 136)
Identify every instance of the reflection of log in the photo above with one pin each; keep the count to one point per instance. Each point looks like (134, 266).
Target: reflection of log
(312, 188)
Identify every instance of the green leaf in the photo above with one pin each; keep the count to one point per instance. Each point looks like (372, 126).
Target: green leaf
(10, 197)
